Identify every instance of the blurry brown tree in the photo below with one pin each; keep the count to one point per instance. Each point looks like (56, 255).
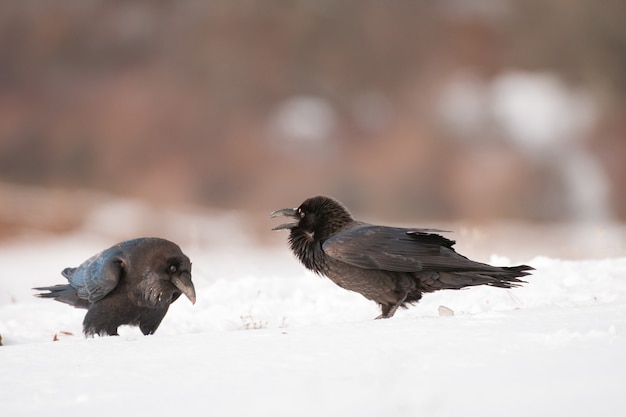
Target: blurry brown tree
(197, 102)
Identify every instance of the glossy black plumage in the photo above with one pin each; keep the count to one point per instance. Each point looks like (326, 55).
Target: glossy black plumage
(133, 282)
(392, 266)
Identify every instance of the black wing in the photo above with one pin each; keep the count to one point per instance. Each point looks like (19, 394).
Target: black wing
(97, 276)
(398, 249)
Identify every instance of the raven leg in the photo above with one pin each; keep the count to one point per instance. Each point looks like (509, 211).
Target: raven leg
(150, 320)
(388, 310)
(385, 308)
(90, 329)
(98, 321)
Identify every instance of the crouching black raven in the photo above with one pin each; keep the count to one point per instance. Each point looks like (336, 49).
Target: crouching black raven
(133, 282)
(389, 265)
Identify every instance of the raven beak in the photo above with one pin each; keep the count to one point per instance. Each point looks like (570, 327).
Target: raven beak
(286, 212)
(183, 283)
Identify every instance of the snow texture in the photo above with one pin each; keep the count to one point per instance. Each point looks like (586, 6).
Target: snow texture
(267, 338)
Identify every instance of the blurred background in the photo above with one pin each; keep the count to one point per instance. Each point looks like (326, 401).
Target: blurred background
(117, 116)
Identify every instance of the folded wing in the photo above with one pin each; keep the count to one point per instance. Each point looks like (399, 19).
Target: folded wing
(97, 276)
(399, 249)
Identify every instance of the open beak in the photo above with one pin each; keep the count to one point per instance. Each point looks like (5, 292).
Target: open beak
(184, 284)
(286, 212)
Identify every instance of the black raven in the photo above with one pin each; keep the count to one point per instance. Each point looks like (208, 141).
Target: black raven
(392, 266)
(133, 282)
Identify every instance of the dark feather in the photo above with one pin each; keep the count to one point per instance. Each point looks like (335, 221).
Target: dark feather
(133, 282)
(390, 265)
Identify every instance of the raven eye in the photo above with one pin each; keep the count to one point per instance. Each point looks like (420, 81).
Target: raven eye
(301, 213)
(172, 269)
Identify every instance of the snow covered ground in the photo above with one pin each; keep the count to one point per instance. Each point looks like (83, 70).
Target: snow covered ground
(267, 338)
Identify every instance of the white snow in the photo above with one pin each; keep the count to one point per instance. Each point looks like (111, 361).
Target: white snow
(267, 338)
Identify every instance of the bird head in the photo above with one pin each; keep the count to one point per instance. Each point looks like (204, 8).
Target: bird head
(166, 272)
(317, 218)
(179, 271)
